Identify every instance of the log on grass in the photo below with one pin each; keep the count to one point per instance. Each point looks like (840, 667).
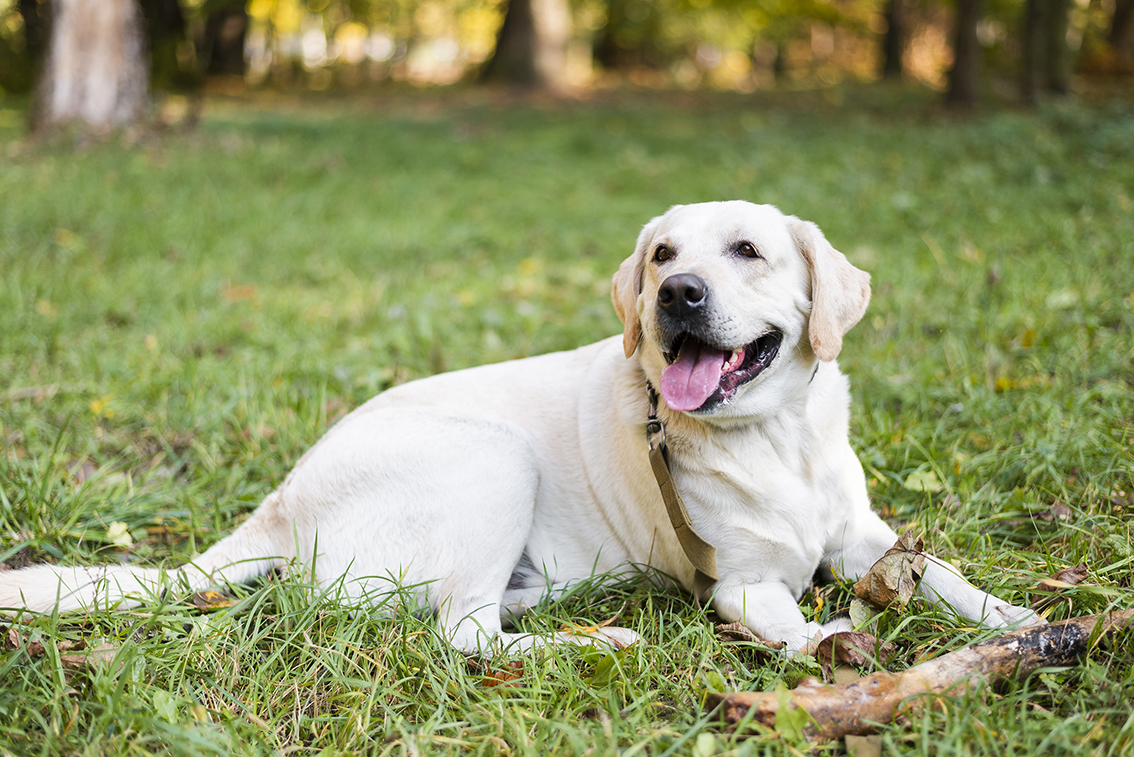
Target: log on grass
(860, 707)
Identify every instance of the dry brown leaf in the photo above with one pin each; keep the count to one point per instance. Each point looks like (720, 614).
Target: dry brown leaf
(81, 470)
(894, 577)
(1073, 575)
(238, 292)
(11, 638)
(505, 676)
(853, 648)
(94, 657)
(1064, 579)
(211, 601)
(738, 632)
(864, 746)
(1057, 512)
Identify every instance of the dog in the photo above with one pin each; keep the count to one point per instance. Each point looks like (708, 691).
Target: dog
(487, 490)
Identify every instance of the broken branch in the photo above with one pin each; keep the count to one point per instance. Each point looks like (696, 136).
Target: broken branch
(861, 706)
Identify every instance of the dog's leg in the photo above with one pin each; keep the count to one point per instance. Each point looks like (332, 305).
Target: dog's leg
(772, 612)
(941, 583)
(250, 551)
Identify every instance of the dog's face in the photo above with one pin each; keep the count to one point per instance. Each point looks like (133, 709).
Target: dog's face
(728, 305)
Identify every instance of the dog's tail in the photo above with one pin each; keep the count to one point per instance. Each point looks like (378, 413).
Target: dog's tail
(259, 544)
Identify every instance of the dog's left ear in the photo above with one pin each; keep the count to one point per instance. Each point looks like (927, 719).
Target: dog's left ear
(627, 285)
(839, 291)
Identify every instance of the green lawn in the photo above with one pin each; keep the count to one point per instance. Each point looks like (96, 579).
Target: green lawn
(181, 319)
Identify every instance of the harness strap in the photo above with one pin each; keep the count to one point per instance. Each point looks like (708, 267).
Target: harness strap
(699, 552)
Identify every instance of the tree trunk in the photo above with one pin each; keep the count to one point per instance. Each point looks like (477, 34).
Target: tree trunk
(531, 48)
(964, 77)
(1057, 56)
(95, 71)
(1046, 57)
(224, 41)
(1032, 52)
(780, 62)
(36, 24)
(165, 31)
(894, 41)
(1121, 35)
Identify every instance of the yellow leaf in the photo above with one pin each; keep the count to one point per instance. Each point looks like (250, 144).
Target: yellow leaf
(1004, 384)
(119, 534)
(208, 601)
(66, 238)
(923, 481)
(101, 406)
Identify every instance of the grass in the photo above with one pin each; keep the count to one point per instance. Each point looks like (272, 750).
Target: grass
(181, 319)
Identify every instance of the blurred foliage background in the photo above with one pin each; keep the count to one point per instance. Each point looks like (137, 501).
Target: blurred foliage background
(1021, 46)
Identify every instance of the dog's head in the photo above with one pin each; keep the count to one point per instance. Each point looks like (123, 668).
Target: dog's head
(723, 297)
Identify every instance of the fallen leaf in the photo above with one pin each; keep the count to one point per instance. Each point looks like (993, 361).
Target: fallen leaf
(1058, 511)
(11, 638)
(35, 647)
(893, 579)
(923, 481)
(861, 616)
(95, 657)
(864, 746)
(211, 601)
(853, 648)
(81, 470)
(118, 533)
(1063, 579)
(738, 633)
(505, 676)
(1060, 581)
(1072, 575)
(238, 292)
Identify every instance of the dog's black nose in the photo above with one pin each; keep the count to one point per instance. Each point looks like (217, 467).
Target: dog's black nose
(682, 294)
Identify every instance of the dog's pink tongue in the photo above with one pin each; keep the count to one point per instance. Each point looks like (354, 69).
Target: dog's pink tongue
(696, 373)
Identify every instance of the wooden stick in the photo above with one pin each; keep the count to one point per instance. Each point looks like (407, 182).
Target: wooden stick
(861, 706)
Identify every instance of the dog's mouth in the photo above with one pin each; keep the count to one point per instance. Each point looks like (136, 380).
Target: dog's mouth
(700, 376)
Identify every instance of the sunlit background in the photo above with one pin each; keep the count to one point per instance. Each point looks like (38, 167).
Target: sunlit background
(721, 44)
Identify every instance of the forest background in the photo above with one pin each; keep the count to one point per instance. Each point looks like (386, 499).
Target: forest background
(1009, 49)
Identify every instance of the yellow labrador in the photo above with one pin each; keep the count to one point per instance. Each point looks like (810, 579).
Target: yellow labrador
(488, 489)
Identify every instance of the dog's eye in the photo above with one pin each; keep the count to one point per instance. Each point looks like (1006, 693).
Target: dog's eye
(748, 250)
(662, 253)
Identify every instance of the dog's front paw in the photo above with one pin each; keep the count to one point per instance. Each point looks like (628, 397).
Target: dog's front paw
(1010, 616)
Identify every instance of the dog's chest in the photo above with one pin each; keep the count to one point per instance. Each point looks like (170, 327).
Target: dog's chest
(765, 504)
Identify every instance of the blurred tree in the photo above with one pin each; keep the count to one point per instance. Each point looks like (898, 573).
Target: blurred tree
(226, 25)
(1121, 35)
(95, 71)
(165, 34)
(35, 14)
(894, 39)
(1045, 56)
(632, 35)
(22, 48)
(964, 76)
(531, 46)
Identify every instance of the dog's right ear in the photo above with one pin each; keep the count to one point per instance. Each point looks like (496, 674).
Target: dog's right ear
(627, 286)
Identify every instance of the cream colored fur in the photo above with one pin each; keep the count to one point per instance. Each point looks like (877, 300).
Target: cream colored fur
(449, 483)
